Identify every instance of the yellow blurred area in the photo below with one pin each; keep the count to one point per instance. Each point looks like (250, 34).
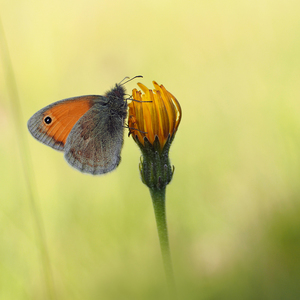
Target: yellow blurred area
(233, 205)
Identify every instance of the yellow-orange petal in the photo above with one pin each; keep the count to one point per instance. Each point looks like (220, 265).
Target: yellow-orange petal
(154, 113)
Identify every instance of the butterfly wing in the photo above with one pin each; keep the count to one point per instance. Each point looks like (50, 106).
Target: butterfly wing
(95, 142)
(52, 124)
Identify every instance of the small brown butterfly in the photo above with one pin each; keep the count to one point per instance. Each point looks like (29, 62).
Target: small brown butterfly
(89, 129)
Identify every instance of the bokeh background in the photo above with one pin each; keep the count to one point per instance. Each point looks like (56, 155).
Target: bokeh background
(233, 205)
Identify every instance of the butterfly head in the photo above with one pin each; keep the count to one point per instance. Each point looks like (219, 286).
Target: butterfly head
(116, 94)
(116, 101)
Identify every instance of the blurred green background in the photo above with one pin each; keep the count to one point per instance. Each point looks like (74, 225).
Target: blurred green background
(233, 205)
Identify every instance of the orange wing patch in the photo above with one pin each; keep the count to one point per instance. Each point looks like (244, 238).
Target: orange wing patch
(59, 120)
(52, 124)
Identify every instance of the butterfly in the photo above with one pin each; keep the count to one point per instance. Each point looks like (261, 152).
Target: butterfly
(88, 129)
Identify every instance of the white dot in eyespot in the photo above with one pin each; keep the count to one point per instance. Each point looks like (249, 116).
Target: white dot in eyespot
(48, 120)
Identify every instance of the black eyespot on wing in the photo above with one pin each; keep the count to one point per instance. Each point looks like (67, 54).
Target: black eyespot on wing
(48, 120)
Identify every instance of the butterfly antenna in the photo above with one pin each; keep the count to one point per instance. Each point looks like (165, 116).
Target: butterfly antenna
(129, 79)
(126, 77)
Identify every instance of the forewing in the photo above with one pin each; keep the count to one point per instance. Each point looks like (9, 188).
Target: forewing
(63, 115)
(95, 142)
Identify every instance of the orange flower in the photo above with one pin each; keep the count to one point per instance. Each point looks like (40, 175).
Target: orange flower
(153, 120)
(155, 117)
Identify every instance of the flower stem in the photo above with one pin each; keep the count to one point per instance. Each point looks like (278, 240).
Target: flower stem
(159, 203)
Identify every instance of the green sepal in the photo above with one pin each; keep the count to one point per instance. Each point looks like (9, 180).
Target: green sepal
(155, 168)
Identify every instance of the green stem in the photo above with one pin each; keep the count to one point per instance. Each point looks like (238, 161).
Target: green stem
(159, 204)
